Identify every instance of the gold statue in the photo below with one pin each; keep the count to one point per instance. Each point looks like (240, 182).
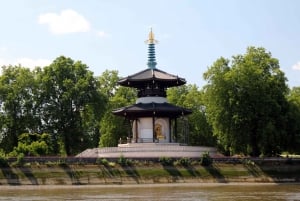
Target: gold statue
(158, 132)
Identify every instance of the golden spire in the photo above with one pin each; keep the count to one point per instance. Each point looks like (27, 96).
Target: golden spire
(151, 50)
(151, 39)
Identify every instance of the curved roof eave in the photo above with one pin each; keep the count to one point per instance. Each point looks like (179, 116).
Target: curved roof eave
(151, 109)
(150, 75)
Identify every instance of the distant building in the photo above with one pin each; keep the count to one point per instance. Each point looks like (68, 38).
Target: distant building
(153, 118)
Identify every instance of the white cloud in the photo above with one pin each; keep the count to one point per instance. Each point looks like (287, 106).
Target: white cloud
(296, 66)
(103, 34)
(68, 21)
(25, 62)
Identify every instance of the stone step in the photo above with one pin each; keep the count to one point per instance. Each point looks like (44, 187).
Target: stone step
(149, 150)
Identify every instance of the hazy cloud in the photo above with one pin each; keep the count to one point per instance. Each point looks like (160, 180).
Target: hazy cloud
(296, 66)
(103, 34)
(3, 62)
(68, 21)
(25, 62)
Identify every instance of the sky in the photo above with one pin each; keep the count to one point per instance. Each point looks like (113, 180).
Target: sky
(111, 34)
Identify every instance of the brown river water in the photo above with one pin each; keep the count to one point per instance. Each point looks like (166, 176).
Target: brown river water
(163, 192)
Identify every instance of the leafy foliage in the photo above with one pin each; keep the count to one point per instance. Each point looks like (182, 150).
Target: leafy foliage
(245, 103)
(68, 92)
(166, 161)
(18, 105)
(33, 145)
(61, 99)
(184, 162)
(244, 108)
(124, 161)
(293, 128)
(3, 159)
(112, 127)
(189, 96)
(206, 160)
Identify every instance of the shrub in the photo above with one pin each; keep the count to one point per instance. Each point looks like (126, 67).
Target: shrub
(3, 159)
(206, 160)
(62, 162)
(20, 160)
(111, 164)
(185, 161)
(104, 161)
(32, 144)
(124, 161)
(166, 161)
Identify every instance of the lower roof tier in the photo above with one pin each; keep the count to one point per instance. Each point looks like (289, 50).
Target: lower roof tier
(151, 109)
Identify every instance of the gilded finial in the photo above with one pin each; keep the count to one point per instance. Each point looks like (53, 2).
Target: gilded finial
(151, 39)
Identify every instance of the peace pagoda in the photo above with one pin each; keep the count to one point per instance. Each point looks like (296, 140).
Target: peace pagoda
(153, 118)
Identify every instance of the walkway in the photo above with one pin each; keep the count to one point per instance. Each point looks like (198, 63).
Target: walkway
(149, 150)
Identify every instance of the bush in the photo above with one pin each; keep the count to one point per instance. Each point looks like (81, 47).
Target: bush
(165, 161)
(183, 161)
(103, 161)
(19, 161)
(206, 160)
(32, 145)
(124, 161)
(3, 159)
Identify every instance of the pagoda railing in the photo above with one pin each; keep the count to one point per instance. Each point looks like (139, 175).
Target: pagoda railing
(152, 92)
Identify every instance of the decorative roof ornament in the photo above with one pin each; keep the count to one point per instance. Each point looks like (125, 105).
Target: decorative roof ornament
(151, 39)
(151, 50)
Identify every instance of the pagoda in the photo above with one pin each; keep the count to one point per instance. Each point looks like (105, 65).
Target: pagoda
(153, 118)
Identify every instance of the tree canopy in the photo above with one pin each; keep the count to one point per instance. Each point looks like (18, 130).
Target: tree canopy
(17, 103)
(293, 128)
(67, 91)
(112, 127)
(189, 96)
(245, 108)
(245, 103)
(62, 99)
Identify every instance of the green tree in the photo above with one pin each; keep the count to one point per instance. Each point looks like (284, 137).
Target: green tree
(69, 97)
(189, 96)
(108, 83)
(18, 105)
(293, 128)
(112, 127)
(32, 145)
(245, 103)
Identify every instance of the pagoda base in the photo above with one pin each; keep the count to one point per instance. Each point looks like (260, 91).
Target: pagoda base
(149, 150)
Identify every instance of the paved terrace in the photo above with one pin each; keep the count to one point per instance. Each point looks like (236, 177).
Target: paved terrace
(149, 150)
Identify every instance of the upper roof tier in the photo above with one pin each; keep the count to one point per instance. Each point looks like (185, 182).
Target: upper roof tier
(152, 76)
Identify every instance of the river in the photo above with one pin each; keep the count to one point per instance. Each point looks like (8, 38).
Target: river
(163, 192)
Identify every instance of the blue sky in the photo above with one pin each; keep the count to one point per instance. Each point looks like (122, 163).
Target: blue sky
(110, 34)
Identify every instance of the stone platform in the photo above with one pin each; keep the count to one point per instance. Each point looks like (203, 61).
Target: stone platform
(149, 150)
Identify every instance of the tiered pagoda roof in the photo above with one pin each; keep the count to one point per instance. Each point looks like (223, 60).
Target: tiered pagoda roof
(151, 82)
(148, 75)
(151, 109)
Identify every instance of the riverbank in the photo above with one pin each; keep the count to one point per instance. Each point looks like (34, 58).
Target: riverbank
(145, 172)
(163, 192)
